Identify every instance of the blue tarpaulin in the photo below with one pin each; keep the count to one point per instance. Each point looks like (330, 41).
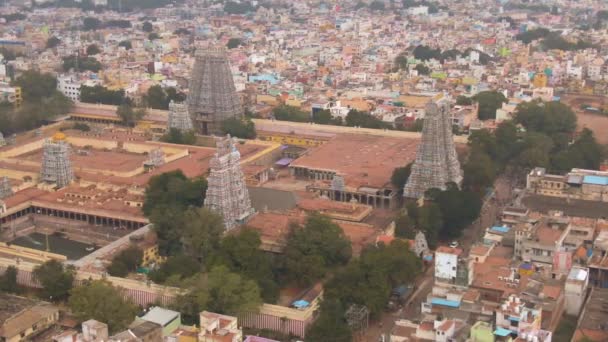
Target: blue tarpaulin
(284, 161)
(498, 229)
(300, 304)
(502, 332)
(445, 302)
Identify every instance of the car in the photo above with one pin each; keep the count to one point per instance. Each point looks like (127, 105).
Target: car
(454, 244)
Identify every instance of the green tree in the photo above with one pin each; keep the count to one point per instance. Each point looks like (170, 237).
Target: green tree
(176, 136)
(175, 268)
(400, 176)
(550, 118)
(55, 279)
(101, 301)
(91, 24)
(231, 294)
(219, 291)
(489, 102)
(126, 261)
(8, 280)
(147, 27)
(242, 254)
(462, 100)
(156, 98)
(356, 118)
(79, 63)
(331, 324)
(126, 44)
(458, 210)
(479, 172)
(377, 5)
(422, 69)
(234, 43)
(289, 113)
(323, 117)
(425, 53)
(584, 153)
(130, 116)
(202, 231)
(167, 197)
(241, 128)
(369, 280)
(174, 189)
(36, 85)
(153, 36)
(52, 42)
(313, 249)
(93, 49)
(401, 61)
(101, 94)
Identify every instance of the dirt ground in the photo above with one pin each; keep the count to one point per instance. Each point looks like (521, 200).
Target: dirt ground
(595, 122)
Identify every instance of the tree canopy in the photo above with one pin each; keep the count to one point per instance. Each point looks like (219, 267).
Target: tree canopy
(81, 63)
(158, 97)
(356, 118)
(489, 102)
(129, 115)
(241, 254)
(126, 261)
(234, 43)
(8, 280)
(101, 301)
(290, 113)
(56, 280)
(218, 291)
(366, 281)
(176, 136)
(103, 95)
(167, 198)
(52, 42)
(241, 128)
(314, 248)
(400, 176)
(41, 102)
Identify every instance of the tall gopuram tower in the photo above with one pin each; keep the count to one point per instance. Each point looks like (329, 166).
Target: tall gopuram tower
(227, 192)
(436, 161)
(179, 118)
(56, 165)
(212, 97)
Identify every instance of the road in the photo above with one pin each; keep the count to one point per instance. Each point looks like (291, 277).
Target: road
(503, 195)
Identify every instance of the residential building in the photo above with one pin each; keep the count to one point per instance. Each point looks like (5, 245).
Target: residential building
(69, 86)
(22, 318)
(219, 328)
(168, 320)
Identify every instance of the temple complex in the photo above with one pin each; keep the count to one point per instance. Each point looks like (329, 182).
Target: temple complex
(56, 165)
(212, 97)
(227, 192)
(179, 118)
(436, 161)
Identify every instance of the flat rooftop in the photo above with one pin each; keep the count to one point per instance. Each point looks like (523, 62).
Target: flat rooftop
(363, 160)
(96, 159)
(570, 207)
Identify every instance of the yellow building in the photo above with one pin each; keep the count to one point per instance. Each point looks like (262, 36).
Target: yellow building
(292, 139)
(151, 255)
(540, 80)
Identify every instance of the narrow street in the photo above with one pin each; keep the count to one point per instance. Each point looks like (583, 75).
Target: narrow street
(503, 195)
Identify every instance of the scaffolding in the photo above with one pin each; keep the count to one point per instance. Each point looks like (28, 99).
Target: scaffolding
(436, 162)
(156, 158)
(357, 317)
(212, 96)
(5, 187)
(227, 192)
(56, 165)
(179, 117)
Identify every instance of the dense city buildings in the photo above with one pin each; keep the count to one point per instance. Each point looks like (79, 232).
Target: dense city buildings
(190, 170)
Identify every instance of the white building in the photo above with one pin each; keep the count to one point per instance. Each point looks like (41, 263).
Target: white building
(576, 289)
(446, 263)
(69, 87)
(418, 10)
